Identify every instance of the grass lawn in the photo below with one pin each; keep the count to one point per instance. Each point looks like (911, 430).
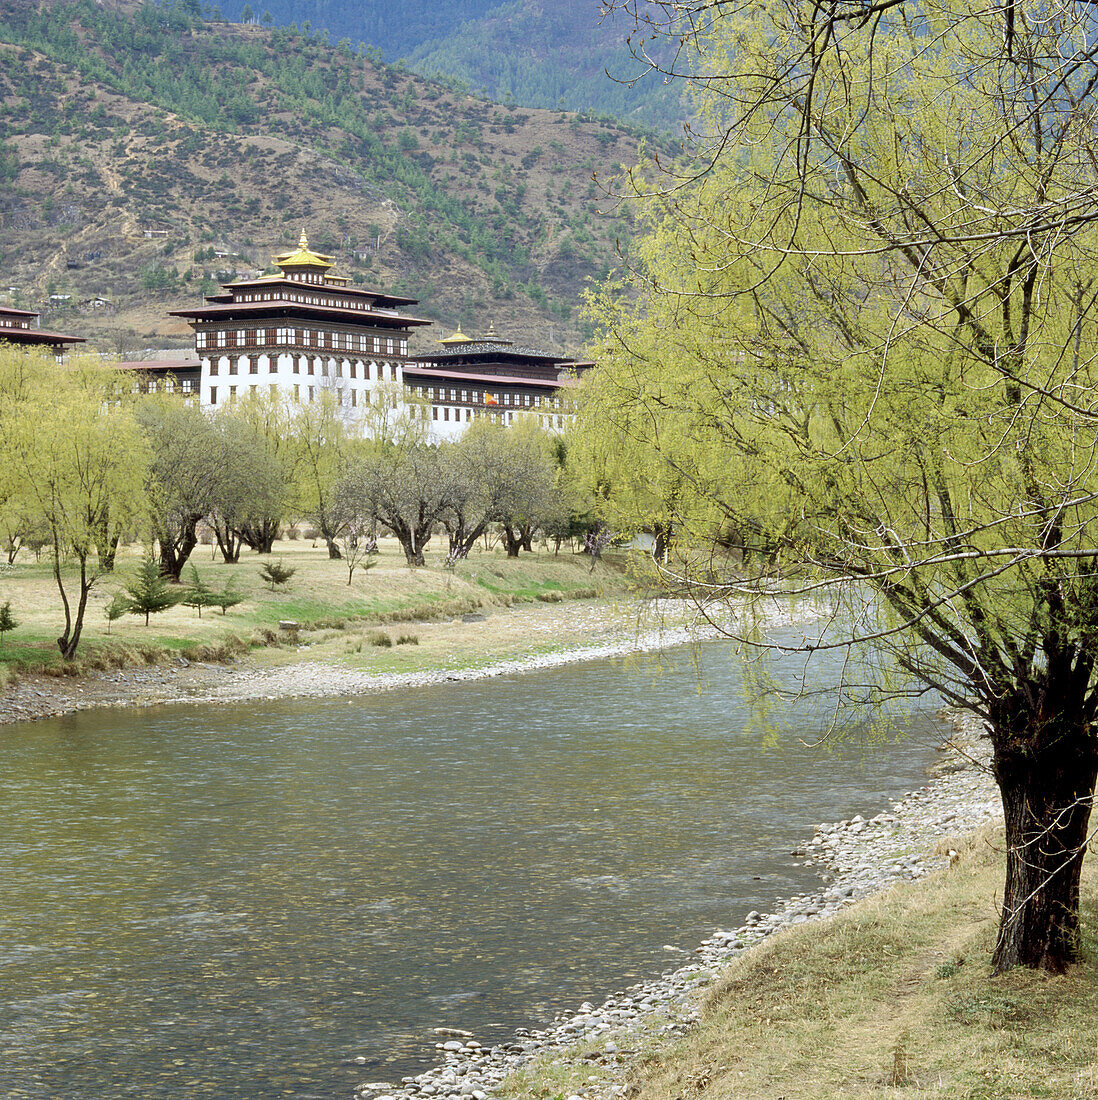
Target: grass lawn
(339, 621)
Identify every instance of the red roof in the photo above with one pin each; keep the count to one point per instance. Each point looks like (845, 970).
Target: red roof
(36, 336)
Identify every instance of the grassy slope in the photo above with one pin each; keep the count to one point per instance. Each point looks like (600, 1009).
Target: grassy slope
(235, 137)
(339, 619)
(893, 998)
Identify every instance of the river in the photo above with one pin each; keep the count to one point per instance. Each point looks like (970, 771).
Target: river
(239, 901)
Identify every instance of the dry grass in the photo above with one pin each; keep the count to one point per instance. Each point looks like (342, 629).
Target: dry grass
(318, 597)
(893, 998)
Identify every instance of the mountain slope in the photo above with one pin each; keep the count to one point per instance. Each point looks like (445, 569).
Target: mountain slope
(141, 144)
(542, 54)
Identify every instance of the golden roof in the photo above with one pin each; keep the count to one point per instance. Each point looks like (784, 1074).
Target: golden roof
(459, 337)
(302, 257)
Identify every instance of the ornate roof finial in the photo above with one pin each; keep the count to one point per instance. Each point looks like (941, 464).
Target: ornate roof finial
(303, 243)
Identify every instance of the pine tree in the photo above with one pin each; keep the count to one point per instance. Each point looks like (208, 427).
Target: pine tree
(199, 594)
(150, 591)
(276, 573)
(116, 608)
(228, 596)
(7, 619)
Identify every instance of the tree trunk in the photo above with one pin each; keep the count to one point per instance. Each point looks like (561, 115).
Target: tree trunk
(512, 540)
(175, 552)
(1046, 780)
(413, 555)
(259, 536)
(74, 625)
(228, 542)
(108, 550)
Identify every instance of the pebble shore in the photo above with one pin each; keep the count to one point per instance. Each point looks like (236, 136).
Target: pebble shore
(856, 858)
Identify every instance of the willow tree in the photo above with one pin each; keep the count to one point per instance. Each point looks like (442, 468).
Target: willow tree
(75, 458)
(861, 337)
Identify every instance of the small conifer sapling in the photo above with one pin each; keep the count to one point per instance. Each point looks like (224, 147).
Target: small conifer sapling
(7, 619)
(276, 573)
(150, 592)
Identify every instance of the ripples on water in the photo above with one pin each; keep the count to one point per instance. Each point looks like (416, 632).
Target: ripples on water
(236, 901)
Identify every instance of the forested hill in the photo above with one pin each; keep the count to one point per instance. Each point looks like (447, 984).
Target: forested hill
(147, 152)
(543, 53)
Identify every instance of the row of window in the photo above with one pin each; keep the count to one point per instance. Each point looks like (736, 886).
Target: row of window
(381, 372)
(164, 385)
(517, 400)
(311, 338)
(351, 398)
(458, 416)
(350, 302)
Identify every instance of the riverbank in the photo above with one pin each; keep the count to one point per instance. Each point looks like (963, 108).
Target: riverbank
(771, 1007)
(493, 641)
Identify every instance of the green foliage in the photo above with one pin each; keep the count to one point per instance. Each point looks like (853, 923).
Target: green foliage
(150, 592)
(118, 606)
(277, 573)
(218, 79)
(7, 619)
(198, 594)
(229, 596)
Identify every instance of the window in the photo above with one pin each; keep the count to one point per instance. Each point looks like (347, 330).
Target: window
(232, 366)
(213, 367)
(354, 399)
(445, 414)
(188, 385)
(311, 392)
(253, 364)
(464, 395)
(526, 400)
(312, 367)
(213, 395)
(297, 394)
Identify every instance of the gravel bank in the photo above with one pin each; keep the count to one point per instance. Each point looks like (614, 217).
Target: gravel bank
(856, 858)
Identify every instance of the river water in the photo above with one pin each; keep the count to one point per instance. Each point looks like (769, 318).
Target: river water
(237, 901)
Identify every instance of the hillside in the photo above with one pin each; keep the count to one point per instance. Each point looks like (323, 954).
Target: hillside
(539, 54)
(147, 153)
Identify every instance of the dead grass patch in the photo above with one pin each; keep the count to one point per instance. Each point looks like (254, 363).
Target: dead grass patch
(891, 998)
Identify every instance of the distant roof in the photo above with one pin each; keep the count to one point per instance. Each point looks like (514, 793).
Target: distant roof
(498, 349)
(36, 336)
(486, 380)
(458, 337)
(302, 257)
(165, 366)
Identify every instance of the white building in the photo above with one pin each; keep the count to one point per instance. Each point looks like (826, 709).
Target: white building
(299, 333)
